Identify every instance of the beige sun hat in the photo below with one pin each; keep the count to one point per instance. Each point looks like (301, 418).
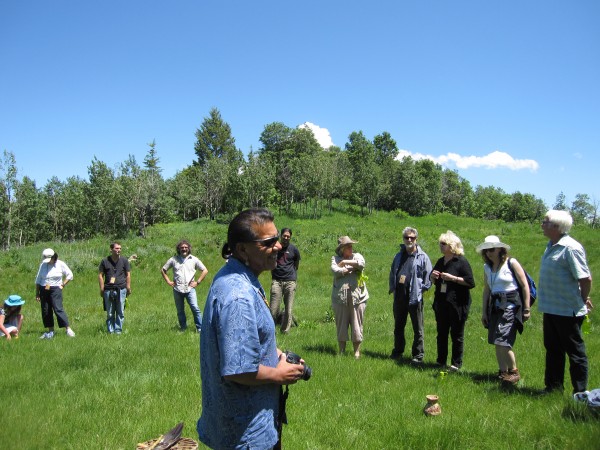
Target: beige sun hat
(491, 242)
(343, 241)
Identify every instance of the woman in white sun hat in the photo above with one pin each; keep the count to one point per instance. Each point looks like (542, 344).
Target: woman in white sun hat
(504, 311)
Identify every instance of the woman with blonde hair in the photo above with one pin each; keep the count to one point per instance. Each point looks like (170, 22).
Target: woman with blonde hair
(504, 311)
(349, 294)
(453, 279)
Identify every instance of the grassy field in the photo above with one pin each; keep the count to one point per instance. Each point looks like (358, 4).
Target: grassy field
(110, 392)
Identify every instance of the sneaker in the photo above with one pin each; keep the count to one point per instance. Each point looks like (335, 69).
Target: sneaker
(502, 374)
(47, 335)
(512, 377)
(416, 361)
(70, 332)
(453, 368)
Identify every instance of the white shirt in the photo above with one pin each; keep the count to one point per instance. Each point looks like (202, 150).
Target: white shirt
(52, 274)
(183, 271)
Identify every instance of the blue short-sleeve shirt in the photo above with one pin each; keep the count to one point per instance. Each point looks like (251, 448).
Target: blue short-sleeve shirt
(238, 335)
(563, 265)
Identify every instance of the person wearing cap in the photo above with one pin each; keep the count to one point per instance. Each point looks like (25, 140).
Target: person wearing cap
(114, 278)
(564, 288)
(52, 277)
(283, 281)
(453, 279)
(184, 282)
(11, 318)
(503, 310)
(349, 294)
(409, 280)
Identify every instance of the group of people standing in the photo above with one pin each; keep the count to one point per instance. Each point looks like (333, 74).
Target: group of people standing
(242, 370)
(563, 290)
(114, 279)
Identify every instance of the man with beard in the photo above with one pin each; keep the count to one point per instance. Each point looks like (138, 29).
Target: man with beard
(184, 282)
(409, 279)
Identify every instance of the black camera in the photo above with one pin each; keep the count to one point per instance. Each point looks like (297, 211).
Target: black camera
(293, 358)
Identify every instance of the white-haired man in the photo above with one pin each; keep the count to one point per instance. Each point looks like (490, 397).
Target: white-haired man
(564, 287)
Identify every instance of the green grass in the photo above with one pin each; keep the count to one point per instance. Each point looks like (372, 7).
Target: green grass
(111, 392)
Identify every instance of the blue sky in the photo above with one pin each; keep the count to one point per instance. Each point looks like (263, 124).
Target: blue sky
(507, 93)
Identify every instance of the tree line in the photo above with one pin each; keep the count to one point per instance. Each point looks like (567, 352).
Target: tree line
(290, 172)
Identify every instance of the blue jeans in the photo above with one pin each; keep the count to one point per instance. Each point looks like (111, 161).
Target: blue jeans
(114, 302)
(193, 302)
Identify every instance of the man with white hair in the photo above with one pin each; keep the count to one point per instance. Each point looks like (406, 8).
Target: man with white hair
(564, 288)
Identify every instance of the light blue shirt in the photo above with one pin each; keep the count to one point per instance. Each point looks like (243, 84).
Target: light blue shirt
(563, 265)
(238, 335)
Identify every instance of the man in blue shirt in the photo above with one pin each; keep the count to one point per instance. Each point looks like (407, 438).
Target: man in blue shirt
(242, 370)
(564, 287)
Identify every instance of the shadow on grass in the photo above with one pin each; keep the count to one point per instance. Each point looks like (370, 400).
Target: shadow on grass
(507, 388)
(577, 412)
(321, 348)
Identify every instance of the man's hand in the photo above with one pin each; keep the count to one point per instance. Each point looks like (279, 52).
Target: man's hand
(289, 373)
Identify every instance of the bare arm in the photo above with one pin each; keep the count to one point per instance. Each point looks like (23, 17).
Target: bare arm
(101, 283)
(585, 286)
(284, 373)
(4, 330)
(485, 303)
(128, 283)
(166, 277)
(522, 280)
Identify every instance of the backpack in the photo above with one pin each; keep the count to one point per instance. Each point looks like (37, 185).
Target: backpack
(530, 282)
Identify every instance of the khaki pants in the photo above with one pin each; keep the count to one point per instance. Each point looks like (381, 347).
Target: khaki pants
(349, 315)
(287, 291)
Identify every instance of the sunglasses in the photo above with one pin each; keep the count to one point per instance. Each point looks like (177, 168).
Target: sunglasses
(410, 238)
(267, 242)
(490, 250)
(443, 243)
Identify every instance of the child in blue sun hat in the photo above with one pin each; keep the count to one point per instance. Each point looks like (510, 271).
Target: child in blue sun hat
(11, 318)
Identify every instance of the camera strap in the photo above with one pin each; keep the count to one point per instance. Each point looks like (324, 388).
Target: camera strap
(282, 416)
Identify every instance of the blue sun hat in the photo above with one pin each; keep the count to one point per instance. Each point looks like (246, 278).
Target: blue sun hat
(14, 300)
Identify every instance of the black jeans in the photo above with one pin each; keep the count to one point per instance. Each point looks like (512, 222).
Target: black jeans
(562, 335)
(401, 311)
(52, 300)
(447, 322)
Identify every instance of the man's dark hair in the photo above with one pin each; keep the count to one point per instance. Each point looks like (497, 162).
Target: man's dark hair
(241, 228)
(283, 230)
(112, 244)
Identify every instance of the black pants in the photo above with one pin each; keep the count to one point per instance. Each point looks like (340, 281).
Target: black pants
(562, 335)
(51, 300)
(448, 322)
(401, 311)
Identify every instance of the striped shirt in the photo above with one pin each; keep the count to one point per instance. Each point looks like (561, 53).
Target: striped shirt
(563, 265)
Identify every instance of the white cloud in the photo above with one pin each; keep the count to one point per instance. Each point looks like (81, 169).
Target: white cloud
(321, 134)
(494, 160)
